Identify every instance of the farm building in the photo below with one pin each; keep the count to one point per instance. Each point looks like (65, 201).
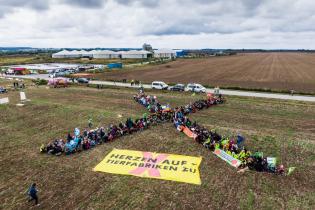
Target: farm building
(61, 54)
(75, 54)
(68, 54)
(85, 54)
(165, 53)
(136, 54)
(105, 54)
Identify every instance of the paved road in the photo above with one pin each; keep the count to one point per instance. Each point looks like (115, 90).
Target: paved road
(224, 92)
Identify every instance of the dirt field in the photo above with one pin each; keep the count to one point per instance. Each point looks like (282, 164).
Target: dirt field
(277, 71)
(278, 128)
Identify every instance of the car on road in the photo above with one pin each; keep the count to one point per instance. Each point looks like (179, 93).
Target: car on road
(83, 80)
(178, 87)
(196, 88)
(52, 75)
(3, 90)
(159, 85)
(62, 74)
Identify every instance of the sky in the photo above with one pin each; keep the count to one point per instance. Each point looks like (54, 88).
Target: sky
(177, 24)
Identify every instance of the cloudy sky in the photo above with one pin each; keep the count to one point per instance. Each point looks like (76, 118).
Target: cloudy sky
(268, 24)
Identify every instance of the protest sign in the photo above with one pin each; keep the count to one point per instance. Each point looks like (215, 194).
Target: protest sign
(152, 165)
(189, 133)
(22, 96)
(228, 158)
(4, 100)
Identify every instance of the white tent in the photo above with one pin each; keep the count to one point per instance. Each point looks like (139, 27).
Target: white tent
(61, 54)
(75, 54)
(105, 54)
(86, 54)
(165, 53)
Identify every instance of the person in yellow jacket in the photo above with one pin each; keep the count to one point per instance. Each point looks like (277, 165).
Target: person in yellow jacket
(225, 144)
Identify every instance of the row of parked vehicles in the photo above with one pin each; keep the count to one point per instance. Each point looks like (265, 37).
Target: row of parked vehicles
(193, 87)
(62, 72)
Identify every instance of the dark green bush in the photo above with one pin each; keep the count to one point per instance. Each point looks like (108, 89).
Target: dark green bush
(40, 82)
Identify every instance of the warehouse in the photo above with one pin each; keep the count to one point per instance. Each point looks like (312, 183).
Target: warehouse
(85, 54)
(75, 54)
(136, 54)
(105, 54)
(165, 53)
(61, 54)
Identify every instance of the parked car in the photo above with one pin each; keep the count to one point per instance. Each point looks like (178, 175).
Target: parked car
(71, 71)
(197, 88)
(178, 87)
(83, 80)
(3, 90)
(52, 75)
(62, 73)
(159, 85)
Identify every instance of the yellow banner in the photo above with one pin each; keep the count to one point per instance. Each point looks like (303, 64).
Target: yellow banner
(178, 168)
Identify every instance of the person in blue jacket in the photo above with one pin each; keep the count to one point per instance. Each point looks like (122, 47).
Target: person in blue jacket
(32, 192)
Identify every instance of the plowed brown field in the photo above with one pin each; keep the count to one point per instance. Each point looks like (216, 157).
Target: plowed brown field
(277, 71)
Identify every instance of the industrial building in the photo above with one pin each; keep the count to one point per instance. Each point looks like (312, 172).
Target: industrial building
(165, 53)
(136, 54)
(104, 54)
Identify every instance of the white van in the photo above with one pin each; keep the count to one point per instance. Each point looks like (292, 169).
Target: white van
(159, 85)
(197, 88)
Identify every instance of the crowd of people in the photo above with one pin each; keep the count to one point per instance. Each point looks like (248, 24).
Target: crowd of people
(210, 139)
(234, 146)
(90, 138)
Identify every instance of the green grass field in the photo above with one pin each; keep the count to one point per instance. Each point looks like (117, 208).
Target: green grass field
(284, 129)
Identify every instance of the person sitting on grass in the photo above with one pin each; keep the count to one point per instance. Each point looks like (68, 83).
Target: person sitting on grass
(86, 144)
(140, 125)
(130, 125)
(69, 137)
(78, 142)
(70, 147)
(123, 128)
(55, 148)
(85, 133)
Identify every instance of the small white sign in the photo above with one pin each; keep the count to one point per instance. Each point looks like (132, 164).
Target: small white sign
(4, 100)
(23, 96)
